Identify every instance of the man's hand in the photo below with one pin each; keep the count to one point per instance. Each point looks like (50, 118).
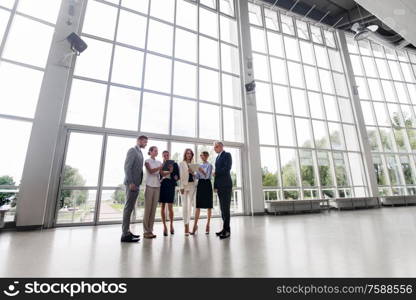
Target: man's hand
(133, 187)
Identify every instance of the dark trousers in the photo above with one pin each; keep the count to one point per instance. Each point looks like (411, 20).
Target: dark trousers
(131, 198)
(224, 194)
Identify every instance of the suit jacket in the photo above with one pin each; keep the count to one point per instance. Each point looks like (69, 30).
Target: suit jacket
(133, 167)
(222, 171)
(184, 175)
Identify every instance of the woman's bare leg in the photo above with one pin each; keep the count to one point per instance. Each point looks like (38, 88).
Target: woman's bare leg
(209, 212)
(170, 208)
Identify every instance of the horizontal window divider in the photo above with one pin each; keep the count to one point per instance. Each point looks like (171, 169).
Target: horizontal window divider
(17, 118)
(22, 64)
(76, 188)
(35, 19)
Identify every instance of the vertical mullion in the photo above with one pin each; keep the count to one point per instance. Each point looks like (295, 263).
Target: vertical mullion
(100, 178)
(220, 71)
(172, 71)
(110, 73)
(8, 27)
(197, 72)
(144, 66)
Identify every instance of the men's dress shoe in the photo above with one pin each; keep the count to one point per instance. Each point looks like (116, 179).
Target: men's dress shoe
(225, 235)
(129, 239)
(137, 236)
(220, 232)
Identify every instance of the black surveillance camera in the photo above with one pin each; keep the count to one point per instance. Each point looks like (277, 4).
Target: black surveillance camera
(77, 44)
(250, 87)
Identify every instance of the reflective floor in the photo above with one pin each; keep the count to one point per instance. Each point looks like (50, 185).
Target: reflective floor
(374, 243)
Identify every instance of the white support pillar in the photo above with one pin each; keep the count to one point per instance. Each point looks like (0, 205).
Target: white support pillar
(362, 132)
(38, 174)
(252, 145)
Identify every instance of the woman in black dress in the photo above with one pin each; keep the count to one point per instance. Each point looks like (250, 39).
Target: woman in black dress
(204, 192)
(167, 190)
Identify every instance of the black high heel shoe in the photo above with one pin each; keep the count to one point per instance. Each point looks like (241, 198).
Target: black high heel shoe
(165, 232)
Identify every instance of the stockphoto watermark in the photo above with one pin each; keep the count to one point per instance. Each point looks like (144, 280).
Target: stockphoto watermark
(71, 289)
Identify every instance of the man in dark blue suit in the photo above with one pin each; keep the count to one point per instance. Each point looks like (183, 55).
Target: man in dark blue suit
(223, 184)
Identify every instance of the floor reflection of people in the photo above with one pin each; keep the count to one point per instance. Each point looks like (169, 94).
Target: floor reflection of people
(204, 192)
(167, 190)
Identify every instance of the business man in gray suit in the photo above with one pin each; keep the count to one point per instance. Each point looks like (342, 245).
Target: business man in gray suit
(133, 169)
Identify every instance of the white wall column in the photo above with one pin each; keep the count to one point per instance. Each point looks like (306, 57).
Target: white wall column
(38, 174)
(362, 131)
(253, 180)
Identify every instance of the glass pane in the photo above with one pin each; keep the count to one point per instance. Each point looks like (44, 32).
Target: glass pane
(281, 99)
(289, 167)
(335, 136)
(131, 29)
(311, 78)
(46, 10)
(292, 48)
(381, 114)
(254, 13)
(4, 19)
(331, 108)
(315, 104)
(401, 92)
(375, 89)
(258, 41)
(389, 91)
(365, 48)
(155, 113)
(186, 14)
(208, 52)
(341, 172)
(393, 169)
(186, 45)
(27, 32)
(266, 129)
(209, 3)
(233, 125)
(321, 57)
(112, 205)
(362, 88)
(230, 60)
(158, 73)
(141, 6)
(231, 90)
(263, 97)
(227, 7)
(303, 132)
(209, 121)
(12, 159)
(209, 85)
(269, 166)
(346, 110)
(357, 169)
(260, 66)
(185, 82)
(287, 24)
(383, 70)
(408, 171)
(370, 68)
(100, 20)
(316, 34)
(82, 161)
(127, 66)
(76, 206)
(275, 44)
(307, 170)
(295, 74)
(271, 18)
(86, 97)
(163, 9)
(278, 68)
(7, 3)
(395, 70)
(329, 38)
(307, 52)
(117, 148)
(300, 106)
(356, 65)
(184, 117)
(285, 131)
(302, 29)
(341, 87)
(160, 37)
(326, 78)
(208, 22)
(324, 166)
(379, 170)
(95, 61)
(387, 139)
(123, 109)
(352, 139)
(229, 31)
(15, 100)
(321, 135)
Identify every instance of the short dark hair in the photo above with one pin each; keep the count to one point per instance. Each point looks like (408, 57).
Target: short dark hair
(142, 137)
(205, 153)
(166, 151)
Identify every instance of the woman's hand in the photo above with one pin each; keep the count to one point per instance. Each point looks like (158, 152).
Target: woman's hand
(202, 171)
(170, 168)
(182, 191)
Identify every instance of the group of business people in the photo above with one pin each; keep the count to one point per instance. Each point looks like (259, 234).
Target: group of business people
(161, 181)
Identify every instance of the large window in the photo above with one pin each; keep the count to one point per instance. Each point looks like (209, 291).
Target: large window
(387, 89)
(166, 68)
(22, 23)
(307, 130)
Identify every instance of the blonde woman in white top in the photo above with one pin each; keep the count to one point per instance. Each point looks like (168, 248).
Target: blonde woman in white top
(152, 191)
(187, 187)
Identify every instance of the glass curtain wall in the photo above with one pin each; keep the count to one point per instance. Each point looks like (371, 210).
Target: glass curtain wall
(307, 130)
(166, 68)
(387, 88)
(23, 57)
